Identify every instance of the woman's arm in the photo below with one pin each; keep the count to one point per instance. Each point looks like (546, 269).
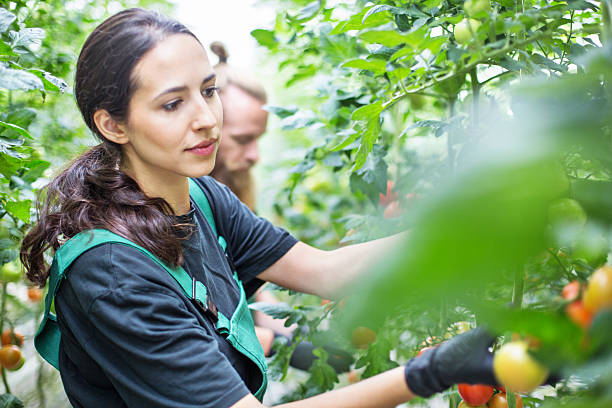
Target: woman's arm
(463, 359)
(325, 273)
(387, 389)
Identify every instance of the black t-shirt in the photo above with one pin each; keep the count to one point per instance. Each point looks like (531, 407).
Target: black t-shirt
(130, 337)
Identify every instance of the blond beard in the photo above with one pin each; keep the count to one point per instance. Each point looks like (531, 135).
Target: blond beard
(241, 183)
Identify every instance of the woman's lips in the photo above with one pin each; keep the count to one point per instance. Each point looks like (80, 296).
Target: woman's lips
(204, 149)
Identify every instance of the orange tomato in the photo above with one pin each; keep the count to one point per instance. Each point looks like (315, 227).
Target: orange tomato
(35, 294)
(10, 336)
(10, 356)
(598, 294)
(500, 401)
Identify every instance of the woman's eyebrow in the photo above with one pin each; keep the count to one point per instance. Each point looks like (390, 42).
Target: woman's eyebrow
(183, 87)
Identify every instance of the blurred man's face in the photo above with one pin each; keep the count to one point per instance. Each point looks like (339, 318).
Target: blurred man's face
(244, 121)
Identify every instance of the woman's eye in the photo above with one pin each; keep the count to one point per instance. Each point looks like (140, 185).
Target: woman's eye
(210, 92)
(171, 106)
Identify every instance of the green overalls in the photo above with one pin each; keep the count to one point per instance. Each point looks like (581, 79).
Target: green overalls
(239, 330)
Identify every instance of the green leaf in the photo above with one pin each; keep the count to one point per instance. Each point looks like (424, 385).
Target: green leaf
(52, 83)
(281, 112)
(16, 128)
(349, 136)
(19, 209)
(18, 79)
(377, 358)
(10, 401)
(356, 22)
(380, 8)
(307, 13)
(6, 19)
(386, 38)
(377, 66)
(367, 142)
(368, 112)
(27, 37)
(265, 38)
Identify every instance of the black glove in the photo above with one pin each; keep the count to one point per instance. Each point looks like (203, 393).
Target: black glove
(463, 359)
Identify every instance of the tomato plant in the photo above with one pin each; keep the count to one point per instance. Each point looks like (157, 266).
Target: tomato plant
(362, 337)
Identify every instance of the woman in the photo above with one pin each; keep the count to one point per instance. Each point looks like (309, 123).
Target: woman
(133, 333)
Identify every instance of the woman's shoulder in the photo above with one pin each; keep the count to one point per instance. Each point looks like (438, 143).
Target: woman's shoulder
(114, 267)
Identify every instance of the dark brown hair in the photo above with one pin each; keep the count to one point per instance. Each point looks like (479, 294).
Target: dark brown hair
(92, 192)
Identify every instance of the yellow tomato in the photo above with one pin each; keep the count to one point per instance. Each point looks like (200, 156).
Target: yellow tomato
(516, 369)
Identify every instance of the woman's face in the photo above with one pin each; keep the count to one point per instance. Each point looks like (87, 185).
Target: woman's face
(174, 117)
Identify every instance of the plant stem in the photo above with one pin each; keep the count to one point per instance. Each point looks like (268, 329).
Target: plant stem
(519, 287)
(2, 313)
(475, 97)
(466, 69)
(450, 135)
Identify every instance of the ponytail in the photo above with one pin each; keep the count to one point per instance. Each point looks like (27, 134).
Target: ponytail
(92, 192)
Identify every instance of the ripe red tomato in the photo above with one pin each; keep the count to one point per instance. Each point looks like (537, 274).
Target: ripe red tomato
(500, 401)
(598, 294)
(12, 337)
(35, 294)
(477, 394)
(571, 290)
(353, 376)
(516, 369)
(579, 314)
(362, 337)
(10, 356)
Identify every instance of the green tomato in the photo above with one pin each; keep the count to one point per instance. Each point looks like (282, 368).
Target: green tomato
(465, 30)
(476, 7)
(10, 272)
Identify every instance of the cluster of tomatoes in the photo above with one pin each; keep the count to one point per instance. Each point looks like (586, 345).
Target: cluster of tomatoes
(485, 396)
(11, 357)
(586, 302)
(390, 201)
(514, 368)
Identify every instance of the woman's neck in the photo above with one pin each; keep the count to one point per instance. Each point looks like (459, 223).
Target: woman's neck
(172, 187)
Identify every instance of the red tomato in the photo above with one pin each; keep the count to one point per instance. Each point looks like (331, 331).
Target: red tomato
(12, 337)
(571, 290)
(477, 394)
(499, 401)
(579, 314)
(10, 356)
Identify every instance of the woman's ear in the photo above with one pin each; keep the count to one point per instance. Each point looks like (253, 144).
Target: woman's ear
(109, 127)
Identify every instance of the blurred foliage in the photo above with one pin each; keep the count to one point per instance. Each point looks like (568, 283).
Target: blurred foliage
(400, 122)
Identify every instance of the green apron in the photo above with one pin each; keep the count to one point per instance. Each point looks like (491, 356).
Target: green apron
(239, 330)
